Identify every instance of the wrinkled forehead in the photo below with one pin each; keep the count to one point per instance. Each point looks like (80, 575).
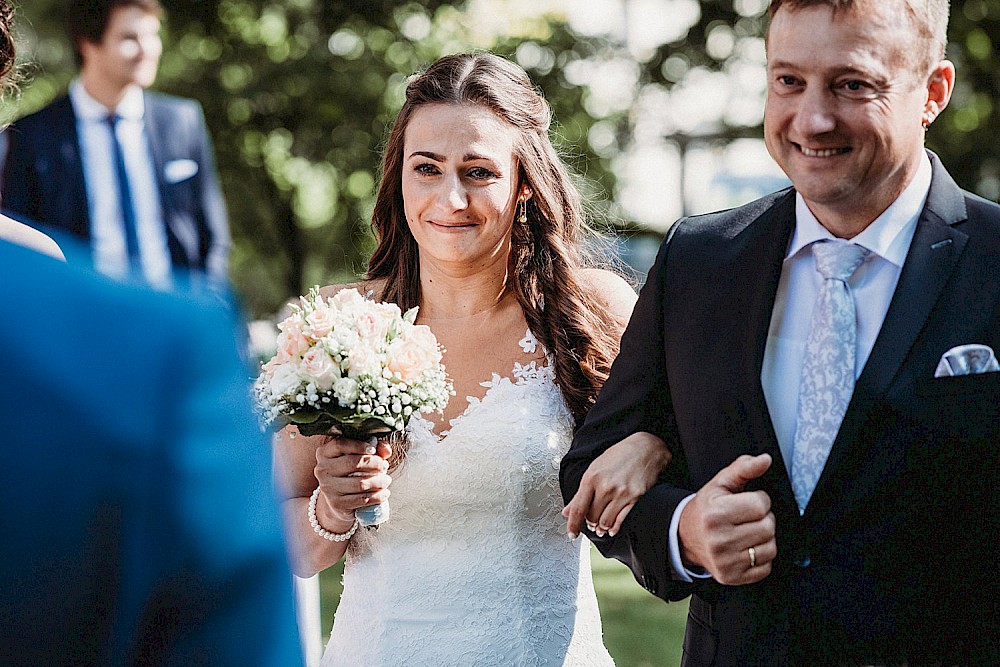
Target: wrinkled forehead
(869, 31)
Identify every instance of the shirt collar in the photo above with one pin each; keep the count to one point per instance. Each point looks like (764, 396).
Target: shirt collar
(888, 236)
(132, 106)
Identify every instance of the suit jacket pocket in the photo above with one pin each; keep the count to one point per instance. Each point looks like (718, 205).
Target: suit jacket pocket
(980, 384)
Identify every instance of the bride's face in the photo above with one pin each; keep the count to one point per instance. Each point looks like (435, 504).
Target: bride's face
(460, 184)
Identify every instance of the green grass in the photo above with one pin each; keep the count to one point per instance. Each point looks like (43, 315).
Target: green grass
(639, 629)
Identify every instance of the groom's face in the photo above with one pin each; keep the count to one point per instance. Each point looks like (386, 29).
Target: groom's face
(845, 106)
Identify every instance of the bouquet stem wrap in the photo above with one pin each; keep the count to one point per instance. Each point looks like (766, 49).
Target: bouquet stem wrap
(372, 515)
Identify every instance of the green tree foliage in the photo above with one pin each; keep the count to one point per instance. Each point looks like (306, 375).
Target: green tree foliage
(299, 94)
(965, 135)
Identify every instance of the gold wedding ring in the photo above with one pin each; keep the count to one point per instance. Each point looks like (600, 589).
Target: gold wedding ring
(753, 556)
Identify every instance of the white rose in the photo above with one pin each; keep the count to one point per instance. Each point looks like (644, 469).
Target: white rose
(362, 361)
(346, 391)
(284, 380)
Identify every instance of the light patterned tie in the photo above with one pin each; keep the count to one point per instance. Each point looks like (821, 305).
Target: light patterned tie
(828, 367)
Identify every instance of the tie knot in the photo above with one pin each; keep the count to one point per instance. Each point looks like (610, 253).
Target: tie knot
(112, 120)
(838, 260)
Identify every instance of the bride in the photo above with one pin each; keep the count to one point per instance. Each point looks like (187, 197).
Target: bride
(478, 225)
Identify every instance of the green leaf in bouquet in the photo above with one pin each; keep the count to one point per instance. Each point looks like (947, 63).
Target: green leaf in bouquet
(411, 315)
(319, 427)
(362, 429)
(300, 418)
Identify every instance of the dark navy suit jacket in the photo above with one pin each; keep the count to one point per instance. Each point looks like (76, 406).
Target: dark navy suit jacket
(895, 558)
(139, 524)
(43, 180)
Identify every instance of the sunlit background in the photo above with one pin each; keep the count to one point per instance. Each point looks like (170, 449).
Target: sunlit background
(657, 103)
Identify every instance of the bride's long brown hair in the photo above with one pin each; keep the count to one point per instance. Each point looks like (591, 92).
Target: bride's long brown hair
(546, 254)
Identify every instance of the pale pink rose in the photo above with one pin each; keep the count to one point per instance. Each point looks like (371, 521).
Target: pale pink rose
(366, 324)
(372, 326)
(346, 299)
(292, 343)
(320, 368)
(421, 335)
(388, 310)
(417, 353)
(362, 360)
(320, 323)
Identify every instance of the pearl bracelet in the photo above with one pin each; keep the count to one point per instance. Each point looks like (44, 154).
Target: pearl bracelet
(323, 532)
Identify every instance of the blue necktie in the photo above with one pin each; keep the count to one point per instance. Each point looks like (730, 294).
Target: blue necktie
(124, 195)
(828, 367)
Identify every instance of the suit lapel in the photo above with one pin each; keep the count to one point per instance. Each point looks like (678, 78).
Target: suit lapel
(153, 125)
(157, 124)
(932, 257)
(72, 194)
(765, 253)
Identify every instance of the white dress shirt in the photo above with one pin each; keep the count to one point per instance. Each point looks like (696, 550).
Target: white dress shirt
(888, 239)
(107, 227)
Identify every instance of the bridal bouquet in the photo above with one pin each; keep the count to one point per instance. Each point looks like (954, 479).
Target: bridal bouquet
(350, 366)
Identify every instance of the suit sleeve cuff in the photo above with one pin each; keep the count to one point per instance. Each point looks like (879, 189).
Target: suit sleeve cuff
(681, 572)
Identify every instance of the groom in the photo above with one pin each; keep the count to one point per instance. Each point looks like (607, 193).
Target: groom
(831, 500)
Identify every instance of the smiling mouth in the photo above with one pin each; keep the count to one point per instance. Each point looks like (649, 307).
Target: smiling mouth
(824, 152)
(457, 225)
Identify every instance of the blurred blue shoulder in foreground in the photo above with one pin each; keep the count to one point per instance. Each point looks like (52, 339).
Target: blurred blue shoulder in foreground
(139, 522)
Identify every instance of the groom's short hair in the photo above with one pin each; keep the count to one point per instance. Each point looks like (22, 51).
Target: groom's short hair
(87, 20)
(929, 19)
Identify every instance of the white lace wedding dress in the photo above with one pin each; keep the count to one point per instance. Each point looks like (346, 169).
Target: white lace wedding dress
(474, 568)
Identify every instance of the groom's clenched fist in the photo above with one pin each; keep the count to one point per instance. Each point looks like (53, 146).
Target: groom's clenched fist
(722, 523)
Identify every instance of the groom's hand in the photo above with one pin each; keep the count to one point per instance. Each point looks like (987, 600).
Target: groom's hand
(722, 522)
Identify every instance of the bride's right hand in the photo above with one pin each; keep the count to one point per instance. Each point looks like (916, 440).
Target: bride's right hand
(614, 482)
(351, 474)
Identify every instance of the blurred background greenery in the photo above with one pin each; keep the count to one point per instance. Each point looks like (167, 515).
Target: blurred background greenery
(649, 97)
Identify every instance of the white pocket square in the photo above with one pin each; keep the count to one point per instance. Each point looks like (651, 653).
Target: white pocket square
(967, 360)
(176, 171)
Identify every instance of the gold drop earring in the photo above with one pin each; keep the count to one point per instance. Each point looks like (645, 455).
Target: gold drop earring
(523, 218)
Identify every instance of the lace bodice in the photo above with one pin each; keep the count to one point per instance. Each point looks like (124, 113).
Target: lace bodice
(474, 566)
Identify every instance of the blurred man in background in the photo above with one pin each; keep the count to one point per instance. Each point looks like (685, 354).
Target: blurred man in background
(129, 171)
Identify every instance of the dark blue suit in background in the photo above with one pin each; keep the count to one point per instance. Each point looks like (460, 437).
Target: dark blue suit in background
(43, 179)
(138, 520)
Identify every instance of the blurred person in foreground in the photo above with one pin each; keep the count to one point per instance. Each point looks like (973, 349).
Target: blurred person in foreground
(130, 172)
(139, 522)
(822, 364)
(480, 226)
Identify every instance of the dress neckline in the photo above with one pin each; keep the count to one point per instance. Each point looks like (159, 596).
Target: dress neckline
(523, 375)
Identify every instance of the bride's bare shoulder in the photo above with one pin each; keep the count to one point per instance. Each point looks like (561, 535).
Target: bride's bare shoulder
(21, 234)
(370, 288)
